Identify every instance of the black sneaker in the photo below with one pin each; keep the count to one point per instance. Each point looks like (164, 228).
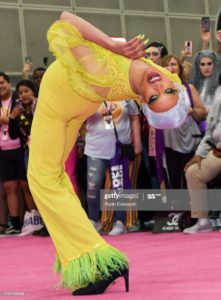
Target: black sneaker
(3, 227)
(42, 232)
(12, 231)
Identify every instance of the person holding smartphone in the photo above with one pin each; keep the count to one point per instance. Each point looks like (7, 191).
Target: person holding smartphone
(37, 72)
(205, 32)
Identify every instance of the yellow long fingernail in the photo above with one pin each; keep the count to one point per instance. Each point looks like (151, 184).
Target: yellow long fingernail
(138, 36)
(146, 41)
(142, 36)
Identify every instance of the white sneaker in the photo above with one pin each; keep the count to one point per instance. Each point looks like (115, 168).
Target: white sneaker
(198, 228)
(213, 222)
(32, 222)
(118, 228)
(97, 225)
(218, 223)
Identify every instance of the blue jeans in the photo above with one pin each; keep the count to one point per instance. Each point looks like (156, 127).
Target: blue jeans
(96, 169)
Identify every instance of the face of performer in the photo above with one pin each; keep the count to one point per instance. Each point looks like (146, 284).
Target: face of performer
(173, 66)
(206, 66)
(154, 54)
(25, 94)
(158, 91)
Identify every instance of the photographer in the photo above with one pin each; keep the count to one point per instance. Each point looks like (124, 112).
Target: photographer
(37, 72)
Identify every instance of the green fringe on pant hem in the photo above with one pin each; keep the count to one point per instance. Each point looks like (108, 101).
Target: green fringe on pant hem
(92, 266)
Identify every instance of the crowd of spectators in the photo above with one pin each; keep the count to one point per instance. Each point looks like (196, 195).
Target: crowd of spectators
(187, 157)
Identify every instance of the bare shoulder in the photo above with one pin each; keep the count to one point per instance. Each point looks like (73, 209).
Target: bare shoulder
(192, 87)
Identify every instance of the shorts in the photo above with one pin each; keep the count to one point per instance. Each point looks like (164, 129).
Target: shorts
(12, 165)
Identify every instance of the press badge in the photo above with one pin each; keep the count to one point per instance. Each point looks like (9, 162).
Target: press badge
(4, 136)
(108, 122)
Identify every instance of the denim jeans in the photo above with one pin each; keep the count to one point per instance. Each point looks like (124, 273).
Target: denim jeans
(96, 169)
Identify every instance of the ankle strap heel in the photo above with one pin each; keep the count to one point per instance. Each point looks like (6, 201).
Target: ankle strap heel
(100, 286)
(126, 279)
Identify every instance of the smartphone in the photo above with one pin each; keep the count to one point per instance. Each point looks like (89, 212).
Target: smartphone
(189, 46)
(206, 24)
(28, 59)
(19, 103)
(45, 61)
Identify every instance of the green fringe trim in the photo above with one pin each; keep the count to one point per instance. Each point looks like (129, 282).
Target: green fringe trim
(91, 266)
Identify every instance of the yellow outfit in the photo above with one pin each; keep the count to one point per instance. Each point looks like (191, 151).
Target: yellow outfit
(67, 97)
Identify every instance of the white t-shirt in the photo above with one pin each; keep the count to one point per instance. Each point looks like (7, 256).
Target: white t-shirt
(207, 99)
(99, 141)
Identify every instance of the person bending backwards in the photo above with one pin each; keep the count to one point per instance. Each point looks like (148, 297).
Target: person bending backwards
(89, 67)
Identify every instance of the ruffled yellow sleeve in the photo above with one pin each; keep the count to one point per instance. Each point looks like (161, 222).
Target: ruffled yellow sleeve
(85, 61)
(89, 66)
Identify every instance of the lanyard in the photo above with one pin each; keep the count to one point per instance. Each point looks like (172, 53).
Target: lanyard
(7, 112)
(8, 108)
(108, 106)
(109, 109)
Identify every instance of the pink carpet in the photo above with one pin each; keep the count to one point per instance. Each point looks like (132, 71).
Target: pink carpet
(162, 267)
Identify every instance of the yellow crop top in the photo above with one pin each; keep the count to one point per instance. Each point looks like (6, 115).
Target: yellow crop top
(94, 66)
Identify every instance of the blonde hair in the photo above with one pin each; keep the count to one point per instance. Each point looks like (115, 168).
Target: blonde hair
(167, 59)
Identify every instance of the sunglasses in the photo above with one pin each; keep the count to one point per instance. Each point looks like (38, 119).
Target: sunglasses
(154, 53)
(206, 64)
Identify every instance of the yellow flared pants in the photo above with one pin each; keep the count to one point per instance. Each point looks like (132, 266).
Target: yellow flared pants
(58, 117)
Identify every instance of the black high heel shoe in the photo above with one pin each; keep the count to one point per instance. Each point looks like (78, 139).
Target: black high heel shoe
(100, 286)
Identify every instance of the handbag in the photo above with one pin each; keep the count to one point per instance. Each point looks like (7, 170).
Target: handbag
(128, 151)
